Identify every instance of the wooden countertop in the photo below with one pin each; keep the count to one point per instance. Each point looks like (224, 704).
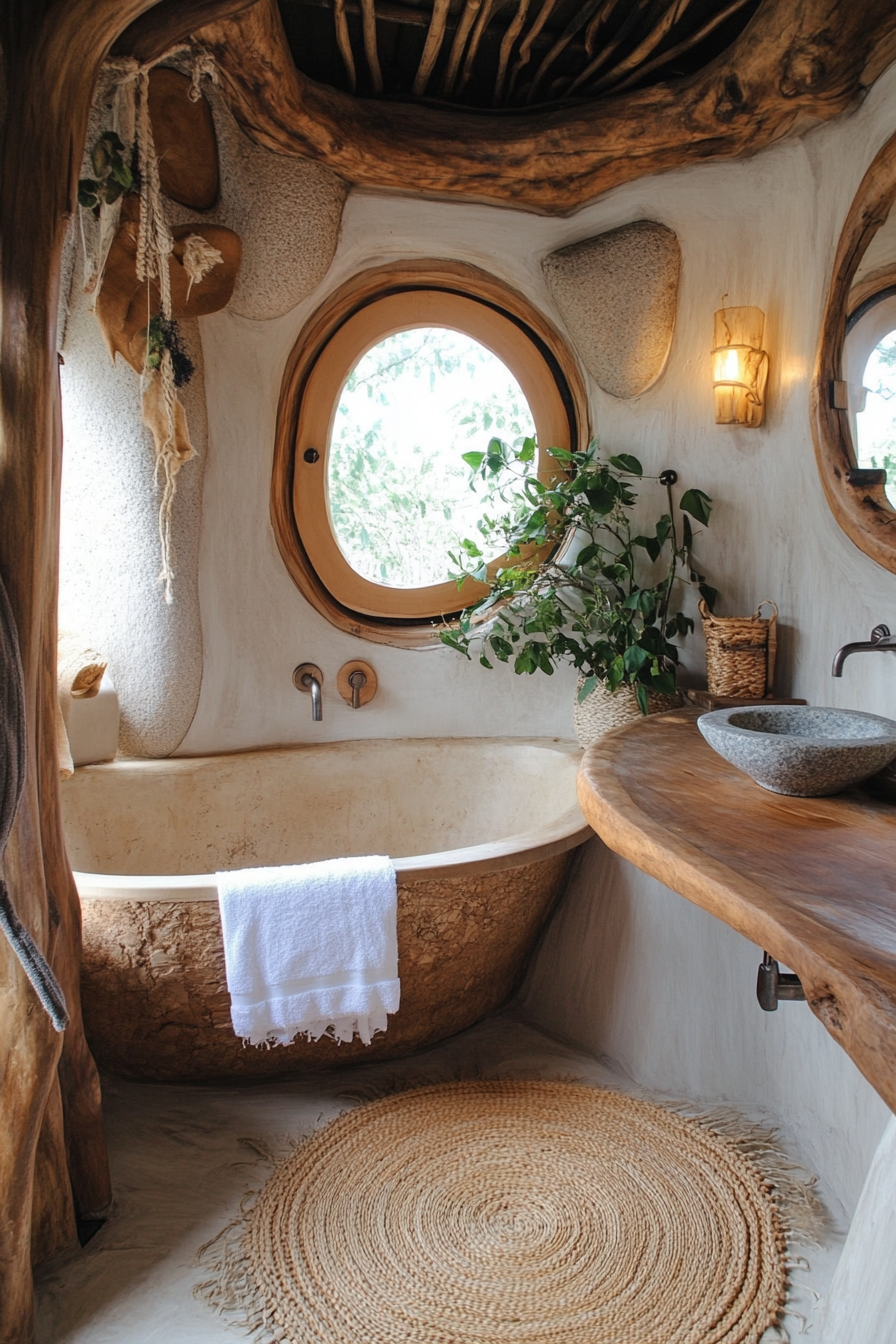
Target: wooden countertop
(813, 880)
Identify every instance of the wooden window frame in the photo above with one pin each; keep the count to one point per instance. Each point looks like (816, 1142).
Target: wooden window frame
(860, 505)
(369, 308)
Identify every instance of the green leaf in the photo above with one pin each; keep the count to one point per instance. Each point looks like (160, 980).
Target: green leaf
(625, 462)
(650, 544)
(588, 686)
(601, 500)
(688, 533)
(697, 504)
(587, 554)
(710, 595)
(450, 639)
(470, 547)
(122, 174)
(474, 460)
(634, 658)
(641, 696)
(527, 452)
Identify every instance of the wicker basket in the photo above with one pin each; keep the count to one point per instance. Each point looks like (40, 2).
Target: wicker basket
(740, 652)
(602, 710)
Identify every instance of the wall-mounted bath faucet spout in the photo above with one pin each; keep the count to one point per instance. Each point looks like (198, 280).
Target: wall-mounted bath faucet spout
(881, 640)
(309, 678)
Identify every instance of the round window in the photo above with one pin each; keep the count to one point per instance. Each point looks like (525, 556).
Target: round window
(397, 394)
(397, 483)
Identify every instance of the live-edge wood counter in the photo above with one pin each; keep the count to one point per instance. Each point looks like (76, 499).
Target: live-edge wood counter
(813, 880)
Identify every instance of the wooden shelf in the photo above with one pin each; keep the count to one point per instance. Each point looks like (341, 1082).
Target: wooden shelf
(811, 879)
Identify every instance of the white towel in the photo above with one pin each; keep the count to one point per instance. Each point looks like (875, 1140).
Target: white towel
(311, 949)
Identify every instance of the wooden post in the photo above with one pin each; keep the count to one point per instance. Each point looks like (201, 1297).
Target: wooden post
(49, 1097)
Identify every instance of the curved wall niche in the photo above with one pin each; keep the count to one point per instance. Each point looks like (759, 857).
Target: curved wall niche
(856, 495)
(441, 293)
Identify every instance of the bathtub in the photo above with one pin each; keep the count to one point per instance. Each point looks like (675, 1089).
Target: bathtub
(481, 831)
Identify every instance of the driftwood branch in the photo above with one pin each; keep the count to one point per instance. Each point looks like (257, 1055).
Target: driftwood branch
(791, 62)
(572, 29)
(596, 24)
(343, 42)
(471, 9)
(606, 54)
(169, 23)
(368, 15)
(482, 23)
(51, 1138)
(649, 44)
(672, 53)
(526, 45)
(432, 47)
(513, 31)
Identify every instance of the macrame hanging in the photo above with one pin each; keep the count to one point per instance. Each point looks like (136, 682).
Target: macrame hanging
(163, 413)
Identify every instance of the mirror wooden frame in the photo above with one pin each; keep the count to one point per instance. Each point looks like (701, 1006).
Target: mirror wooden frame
(300, 523)
(858, 502)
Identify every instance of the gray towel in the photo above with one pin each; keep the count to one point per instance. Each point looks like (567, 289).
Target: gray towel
(12, 780)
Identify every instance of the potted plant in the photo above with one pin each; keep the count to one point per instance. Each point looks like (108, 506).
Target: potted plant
(578, 583)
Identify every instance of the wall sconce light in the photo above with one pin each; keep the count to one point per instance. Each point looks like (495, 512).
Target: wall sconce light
(739, 366)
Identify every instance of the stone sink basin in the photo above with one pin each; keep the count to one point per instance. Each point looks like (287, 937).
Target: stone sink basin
(806, 751)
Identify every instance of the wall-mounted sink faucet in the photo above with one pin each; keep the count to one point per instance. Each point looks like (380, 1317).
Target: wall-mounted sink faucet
(309, 678)
(881, 640)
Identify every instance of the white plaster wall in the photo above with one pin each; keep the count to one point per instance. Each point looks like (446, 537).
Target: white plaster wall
(762, 231)
(109, 544)
(628, 968)
(632, 971)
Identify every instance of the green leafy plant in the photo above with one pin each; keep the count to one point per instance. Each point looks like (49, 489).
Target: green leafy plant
(580, 585)
(162, 335)
(113, 175)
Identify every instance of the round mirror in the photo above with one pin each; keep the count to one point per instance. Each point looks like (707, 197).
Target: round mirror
(854, 393)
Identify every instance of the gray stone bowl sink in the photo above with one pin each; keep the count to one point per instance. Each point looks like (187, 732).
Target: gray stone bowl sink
(806, 751)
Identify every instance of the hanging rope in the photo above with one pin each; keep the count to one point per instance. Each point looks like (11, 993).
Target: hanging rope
(163, 413)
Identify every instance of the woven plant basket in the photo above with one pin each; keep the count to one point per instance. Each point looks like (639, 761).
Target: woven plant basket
(740, 652)
(603, 710)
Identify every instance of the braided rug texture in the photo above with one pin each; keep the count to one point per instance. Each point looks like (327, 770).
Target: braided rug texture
(521, 1211)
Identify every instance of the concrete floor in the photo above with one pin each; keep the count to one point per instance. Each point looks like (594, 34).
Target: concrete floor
(181, 1164)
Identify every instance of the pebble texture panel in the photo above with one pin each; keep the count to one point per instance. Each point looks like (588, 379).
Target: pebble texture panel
(618, 295)
(109, 544)
(287, 212)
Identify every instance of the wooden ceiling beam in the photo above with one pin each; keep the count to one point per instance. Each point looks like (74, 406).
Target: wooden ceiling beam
(169, 23)
(797, 61)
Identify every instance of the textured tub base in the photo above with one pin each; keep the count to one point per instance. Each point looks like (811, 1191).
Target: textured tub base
(156, 1003)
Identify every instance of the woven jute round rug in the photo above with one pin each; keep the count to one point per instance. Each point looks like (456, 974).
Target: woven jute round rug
(483, 1212)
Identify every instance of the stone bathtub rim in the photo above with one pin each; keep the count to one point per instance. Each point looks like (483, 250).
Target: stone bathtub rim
(514, 851)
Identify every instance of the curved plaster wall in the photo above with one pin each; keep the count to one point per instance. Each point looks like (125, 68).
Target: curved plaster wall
(288, 214)
(762, 231)
(109, 545)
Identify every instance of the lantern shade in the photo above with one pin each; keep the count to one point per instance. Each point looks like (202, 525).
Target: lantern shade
(739, 366)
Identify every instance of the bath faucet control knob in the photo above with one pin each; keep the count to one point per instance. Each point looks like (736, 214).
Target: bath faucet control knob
(880, 632)
(356, 683)
(309, 678)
